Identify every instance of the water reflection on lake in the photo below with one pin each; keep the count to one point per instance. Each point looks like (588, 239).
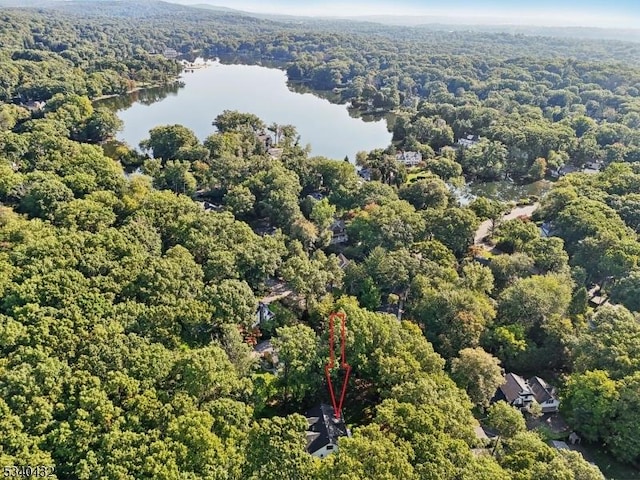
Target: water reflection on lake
(146, 96)
(327, 127)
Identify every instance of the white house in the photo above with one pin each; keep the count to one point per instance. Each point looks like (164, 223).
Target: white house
(263, 314)
(469, 141)
(562, 171)
(33, 106)
(211, 207)
(324, 431)
(544, 394)
(409, 159)
(593, 167)
(514, 391)
(522, 393)
(170, 53)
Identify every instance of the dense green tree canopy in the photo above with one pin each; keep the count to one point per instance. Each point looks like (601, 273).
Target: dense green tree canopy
(167, 142)
(128, 310)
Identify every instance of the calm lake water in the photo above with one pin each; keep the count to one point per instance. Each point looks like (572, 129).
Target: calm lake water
(327, 127)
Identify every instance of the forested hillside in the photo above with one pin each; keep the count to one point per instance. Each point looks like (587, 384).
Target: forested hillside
(128, 301)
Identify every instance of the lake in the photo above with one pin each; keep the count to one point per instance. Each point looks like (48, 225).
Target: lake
(206, 92)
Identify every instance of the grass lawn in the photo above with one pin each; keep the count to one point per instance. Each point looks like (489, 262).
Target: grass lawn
(417, 175)
(611, 469)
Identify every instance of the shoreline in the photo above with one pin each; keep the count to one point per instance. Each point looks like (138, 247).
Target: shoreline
(136, 89)
(256, 60)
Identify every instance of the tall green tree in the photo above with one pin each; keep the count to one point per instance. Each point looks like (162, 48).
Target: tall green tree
(454, 227)
(479, 373)
(299, 362)
(506, 420)
(275, 449)
(587, 401)
(165, 142)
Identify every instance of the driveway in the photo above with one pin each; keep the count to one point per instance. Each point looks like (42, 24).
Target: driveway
(485, 227)
(277, 291)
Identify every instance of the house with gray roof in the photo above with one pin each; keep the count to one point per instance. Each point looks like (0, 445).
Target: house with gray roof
(544, 394)
(324, 431)
(409, 159)
(521, 393)
(469, 141)
(263, 314)
(514, 391)
(339, 232)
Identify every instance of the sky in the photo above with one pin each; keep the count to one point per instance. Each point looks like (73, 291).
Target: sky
(597, 13)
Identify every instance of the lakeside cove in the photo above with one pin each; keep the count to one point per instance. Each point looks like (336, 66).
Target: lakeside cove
(204, 92)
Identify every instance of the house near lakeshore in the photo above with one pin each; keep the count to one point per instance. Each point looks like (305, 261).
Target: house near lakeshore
(409, 159)
(365, 174)
(170, 53)
(592, 167)
(324, 430)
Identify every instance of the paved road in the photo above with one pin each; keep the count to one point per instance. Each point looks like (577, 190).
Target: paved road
(485, 227)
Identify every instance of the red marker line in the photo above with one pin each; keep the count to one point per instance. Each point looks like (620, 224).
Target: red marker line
(337, 407)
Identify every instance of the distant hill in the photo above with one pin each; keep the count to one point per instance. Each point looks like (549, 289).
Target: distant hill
(146, 8)
(25, 3)
(217, 8)
(455, 23)
(111, 8)
(468, 24)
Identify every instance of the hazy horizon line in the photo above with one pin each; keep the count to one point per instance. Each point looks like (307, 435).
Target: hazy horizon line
(542, 18)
